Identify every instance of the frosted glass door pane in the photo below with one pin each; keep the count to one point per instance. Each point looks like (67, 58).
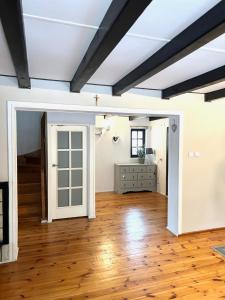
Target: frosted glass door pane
(63, 159)
(76, 197)
(76, 159)
(63, 179)
(76, 178)
(63, 140)
(76, 140)
(63, 198)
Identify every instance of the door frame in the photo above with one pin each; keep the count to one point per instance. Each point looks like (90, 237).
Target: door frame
(14, 106)
(167, 159)
(51, 177)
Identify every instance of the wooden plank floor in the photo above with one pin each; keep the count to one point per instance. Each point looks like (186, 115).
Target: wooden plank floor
(125, 253)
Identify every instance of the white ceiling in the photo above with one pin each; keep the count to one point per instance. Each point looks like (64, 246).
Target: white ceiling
(58, 34)
(198, 62)
(6, 65)
(212, 87)
(81, 11)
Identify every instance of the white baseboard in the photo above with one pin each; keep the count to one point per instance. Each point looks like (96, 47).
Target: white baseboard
(162, 194)
(92, 217)
(104, 191)
(44, 221)
(5, 262)
(171, 231)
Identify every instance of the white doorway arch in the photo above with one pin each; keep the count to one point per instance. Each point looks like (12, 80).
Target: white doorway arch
(175, 160)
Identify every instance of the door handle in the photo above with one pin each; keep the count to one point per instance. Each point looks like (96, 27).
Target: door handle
(54, 165)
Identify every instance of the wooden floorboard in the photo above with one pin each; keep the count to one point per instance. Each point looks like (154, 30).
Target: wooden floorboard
(125, 253)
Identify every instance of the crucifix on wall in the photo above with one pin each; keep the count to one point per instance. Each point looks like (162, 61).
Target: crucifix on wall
(96, 100)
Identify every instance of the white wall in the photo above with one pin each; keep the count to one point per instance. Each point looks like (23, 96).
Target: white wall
(109, 153)
(158, 141)
(28, 131)
(204, 131)
(70, 118)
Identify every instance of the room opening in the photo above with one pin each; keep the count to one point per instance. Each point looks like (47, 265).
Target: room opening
(31, 167)
(120, 157)
(133, 154)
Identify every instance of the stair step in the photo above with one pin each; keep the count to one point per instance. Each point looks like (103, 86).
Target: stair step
(29, 177)
(33, 160)
(28, 168)
(29, 198)
(29, 211)
(21, 160)
(29, 188)
(26, 220)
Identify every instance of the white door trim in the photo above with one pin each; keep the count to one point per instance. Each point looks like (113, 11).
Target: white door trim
(66, 212)
(14, 106)
(90, 166)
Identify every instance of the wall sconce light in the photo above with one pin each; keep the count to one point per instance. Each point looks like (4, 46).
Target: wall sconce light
(98, 131)
(115, 139)
(107, 124)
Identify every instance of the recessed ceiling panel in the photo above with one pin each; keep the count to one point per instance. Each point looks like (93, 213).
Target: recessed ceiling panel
(218, 44)
(81, 11)
(160, 22)
(6, 65)
(167, 18)
(213, 87)
(128, 54)
(197, 63)
(55, 50)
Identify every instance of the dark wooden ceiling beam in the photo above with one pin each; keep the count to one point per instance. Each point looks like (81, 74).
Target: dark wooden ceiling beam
(203, 80)
(156, 118)
(118, 19)
(199, 33)
(214, 95)
(131, 118)
(12, 23)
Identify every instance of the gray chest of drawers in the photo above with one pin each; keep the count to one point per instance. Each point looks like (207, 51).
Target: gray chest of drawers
(134, 178)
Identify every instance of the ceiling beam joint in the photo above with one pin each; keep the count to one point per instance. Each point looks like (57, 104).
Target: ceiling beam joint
(201, 81)
(119, 18)
(202, 31)
(12, 22)
(214, 95)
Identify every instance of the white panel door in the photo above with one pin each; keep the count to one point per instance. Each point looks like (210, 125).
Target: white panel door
(68, 171)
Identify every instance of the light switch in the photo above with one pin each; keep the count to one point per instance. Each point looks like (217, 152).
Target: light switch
(197, 154)
(191, 154)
